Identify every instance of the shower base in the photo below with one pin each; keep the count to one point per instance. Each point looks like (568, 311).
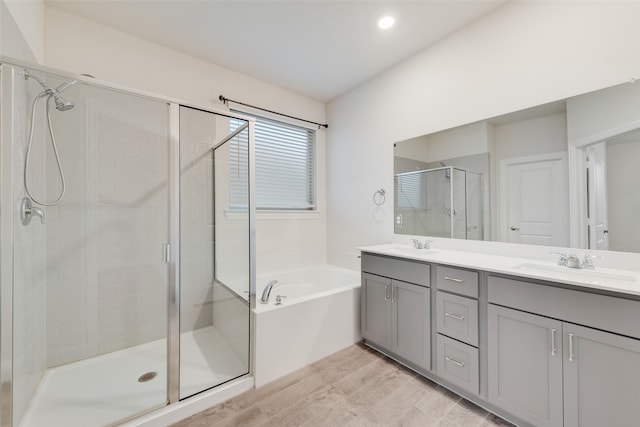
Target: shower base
(105, 389)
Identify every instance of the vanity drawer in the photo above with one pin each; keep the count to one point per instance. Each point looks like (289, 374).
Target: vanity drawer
(608, 313)
(395, 268)
(457, 280)
(457, 317)
(458, 363)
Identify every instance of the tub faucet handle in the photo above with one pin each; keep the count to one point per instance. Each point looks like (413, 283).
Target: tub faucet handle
(279, 299)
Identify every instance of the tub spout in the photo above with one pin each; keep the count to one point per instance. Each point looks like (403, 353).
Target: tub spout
(267, 291)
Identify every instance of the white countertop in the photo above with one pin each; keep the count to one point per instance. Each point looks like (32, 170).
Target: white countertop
(613, 280)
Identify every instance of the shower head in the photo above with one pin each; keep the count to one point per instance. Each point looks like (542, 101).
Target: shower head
(61, 103)
(447, 172)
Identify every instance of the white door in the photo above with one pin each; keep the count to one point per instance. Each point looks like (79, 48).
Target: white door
(535, 200)
(597, 214)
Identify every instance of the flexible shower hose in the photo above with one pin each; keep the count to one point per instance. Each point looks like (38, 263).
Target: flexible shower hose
(55, 152)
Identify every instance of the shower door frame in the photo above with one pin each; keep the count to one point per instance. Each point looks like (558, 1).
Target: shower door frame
(6, 248)
(7, 218)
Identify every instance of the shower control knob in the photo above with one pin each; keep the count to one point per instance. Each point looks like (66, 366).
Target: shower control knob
(27, 210)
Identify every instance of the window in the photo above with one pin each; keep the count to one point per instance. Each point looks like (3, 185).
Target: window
(285, 167)
(409, 191)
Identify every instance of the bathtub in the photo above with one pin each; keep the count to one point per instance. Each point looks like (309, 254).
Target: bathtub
(319, 314)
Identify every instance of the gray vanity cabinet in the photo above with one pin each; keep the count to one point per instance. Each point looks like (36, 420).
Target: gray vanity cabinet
(542, 354)
(410, 322)
(395, 314)
(375, 320)
(549, 371)
(601, 378)
(525, 365)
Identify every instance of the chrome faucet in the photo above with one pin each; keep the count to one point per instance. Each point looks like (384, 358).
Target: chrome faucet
(417, 244)
(573, 261)
(264, 299)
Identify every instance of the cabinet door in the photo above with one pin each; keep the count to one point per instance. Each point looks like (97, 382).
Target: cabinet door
(375, 308)
(410, 323)
(525, 365)
(601, 378)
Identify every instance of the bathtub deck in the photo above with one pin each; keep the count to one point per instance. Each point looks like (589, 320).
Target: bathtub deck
(105, 389)
(354, 387)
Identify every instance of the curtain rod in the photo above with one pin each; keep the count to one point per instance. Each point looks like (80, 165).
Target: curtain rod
(227, 100)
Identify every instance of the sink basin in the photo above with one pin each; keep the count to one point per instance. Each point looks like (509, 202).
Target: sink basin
(590, 276)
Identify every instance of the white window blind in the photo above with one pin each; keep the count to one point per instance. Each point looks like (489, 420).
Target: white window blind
(410, 191)
(285, 167)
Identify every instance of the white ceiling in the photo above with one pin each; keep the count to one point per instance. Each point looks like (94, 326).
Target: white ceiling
(318, 48)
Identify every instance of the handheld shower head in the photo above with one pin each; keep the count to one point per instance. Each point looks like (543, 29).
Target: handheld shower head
(61, 103)
(66, 85)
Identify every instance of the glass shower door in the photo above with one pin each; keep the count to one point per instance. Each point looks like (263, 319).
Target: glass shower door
(214, 251)
(90, 282)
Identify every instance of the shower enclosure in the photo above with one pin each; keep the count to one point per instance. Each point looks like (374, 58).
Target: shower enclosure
(132, 291)
(440, 202)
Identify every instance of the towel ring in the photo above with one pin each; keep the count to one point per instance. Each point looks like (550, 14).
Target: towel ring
(379, 197)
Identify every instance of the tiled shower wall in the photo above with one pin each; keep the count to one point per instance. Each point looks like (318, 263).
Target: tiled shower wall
(106, 280)
(29, 285)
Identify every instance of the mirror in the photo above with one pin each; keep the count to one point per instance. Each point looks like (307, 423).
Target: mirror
(558, 174)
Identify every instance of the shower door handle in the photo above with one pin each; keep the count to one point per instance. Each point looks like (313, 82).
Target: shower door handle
(166, 253)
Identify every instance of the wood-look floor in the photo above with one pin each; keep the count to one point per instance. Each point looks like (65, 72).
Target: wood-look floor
(354, 387)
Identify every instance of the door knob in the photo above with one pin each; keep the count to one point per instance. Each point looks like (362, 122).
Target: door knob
(515, 229)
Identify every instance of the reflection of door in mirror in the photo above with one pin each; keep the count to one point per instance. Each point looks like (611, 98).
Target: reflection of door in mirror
(534, 200)
(596, 179)
(614, 171)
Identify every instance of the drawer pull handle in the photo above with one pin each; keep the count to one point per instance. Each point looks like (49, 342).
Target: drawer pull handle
(453, 279)
(455, 362)
(571, 355)
(455, 316)
(553, 342)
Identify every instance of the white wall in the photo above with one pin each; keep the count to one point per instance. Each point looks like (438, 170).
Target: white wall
(81, 46)
(524, 54)
(22, 29)
(598, 115)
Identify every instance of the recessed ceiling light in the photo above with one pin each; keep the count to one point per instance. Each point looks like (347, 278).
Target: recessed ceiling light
(386, 22)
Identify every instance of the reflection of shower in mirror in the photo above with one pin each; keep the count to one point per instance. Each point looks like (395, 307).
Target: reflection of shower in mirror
(444, 201)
